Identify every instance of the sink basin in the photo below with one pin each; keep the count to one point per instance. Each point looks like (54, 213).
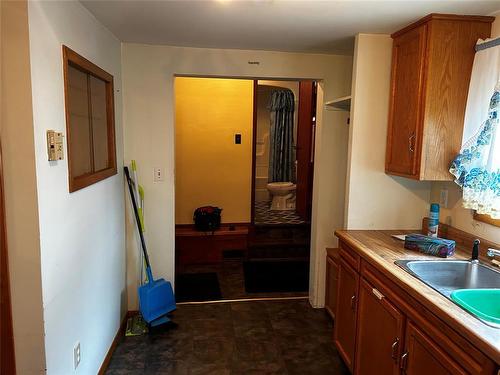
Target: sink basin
(473, 286)
(484, 303)
(447, 276)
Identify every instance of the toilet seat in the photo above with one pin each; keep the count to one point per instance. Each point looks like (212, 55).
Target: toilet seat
(281, 186)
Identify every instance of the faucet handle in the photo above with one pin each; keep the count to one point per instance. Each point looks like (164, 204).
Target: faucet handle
(493, 252)
(475, 251)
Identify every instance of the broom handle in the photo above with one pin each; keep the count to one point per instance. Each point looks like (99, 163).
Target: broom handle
(137, 219)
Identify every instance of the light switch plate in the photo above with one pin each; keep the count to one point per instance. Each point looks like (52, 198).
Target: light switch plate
(158, 174)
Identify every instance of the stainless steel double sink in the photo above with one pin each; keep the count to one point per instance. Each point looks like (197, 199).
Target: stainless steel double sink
(446, 276)
(470, 285)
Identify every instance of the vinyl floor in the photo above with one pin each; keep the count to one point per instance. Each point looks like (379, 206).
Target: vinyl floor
(257, 337)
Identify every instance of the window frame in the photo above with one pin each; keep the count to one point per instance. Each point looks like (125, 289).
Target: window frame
(79, 62)
(486, 219)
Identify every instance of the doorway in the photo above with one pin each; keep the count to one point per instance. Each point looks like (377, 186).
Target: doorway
(218, 163)
(297, 184)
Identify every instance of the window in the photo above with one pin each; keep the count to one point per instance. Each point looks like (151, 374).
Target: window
(90, 121)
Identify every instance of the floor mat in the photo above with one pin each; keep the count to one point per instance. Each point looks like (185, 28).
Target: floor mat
(192, 287)
(276, 276)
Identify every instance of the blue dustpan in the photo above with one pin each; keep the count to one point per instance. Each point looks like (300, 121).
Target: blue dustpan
(156, 300)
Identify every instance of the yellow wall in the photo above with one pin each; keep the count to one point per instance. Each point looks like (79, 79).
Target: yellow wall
(210, 169)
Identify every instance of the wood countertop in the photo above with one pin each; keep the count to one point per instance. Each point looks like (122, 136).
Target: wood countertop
(381, 250)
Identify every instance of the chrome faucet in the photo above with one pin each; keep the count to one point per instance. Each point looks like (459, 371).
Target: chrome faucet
(475, 252)
(493, 252)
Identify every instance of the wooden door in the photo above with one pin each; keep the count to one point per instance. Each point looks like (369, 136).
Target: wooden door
(345, 314)
(332, 277)
(306, 128)
(423, 356)
(380, 330)
(7, 363)
(404, 133)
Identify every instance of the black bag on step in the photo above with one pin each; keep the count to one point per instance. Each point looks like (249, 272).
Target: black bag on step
(207, 218)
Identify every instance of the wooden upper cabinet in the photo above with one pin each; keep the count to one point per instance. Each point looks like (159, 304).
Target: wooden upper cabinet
(407, 81)
(431, 67)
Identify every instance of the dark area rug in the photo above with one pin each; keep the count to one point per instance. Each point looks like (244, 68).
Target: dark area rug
(194, 287)
(263, 276)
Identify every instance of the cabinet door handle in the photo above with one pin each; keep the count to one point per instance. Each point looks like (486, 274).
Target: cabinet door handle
(394, 349)
(377, 294)
(353, 302)
(411, 141)
(404, 361)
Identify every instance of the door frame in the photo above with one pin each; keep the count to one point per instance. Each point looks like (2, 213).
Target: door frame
(254, 142)
(254, 151)
(7, 356)
(315, 275)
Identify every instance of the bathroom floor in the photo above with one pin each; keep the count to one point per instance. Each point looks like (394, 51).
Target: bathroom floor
(264, 215)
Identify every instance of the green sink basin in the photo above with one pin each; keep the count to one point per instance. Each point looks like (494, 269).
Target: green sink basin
(484, 303)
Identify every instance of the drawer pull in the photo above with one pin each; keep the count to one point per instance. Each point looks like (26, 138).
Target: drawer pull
(353, 302)
(394, 349)
(377, 293)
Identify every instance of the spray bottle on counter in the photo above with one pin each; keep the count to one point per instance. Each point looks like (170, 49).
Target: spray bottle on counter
(433, 220)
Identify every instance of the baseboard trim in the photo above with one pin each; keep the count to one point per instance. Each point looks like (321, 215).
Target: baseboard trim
(114, 344)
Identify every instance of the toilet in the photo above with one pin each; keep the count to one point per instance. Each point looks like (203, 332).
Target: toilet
(283, 195)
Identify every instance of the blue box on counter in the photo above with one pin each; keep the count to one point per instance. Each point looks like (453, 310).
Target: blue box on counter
(439, 247)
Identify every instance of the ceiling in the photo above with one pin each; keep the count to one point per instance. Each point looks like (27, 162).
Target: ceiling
(275, 25)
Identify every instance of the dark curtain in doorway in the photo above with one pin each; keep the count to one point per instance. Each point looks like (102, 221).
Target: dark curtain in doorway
(281, 160)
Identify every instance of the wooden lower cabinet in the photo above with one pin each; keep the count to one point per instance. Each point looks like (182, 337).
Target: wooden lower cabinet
(380, 330)
(345, 314)
(423, 356)
(379, 335)
(332, 278)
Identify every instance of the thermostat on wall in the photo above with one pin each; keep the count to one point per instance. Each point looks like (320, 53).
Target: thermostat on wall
(55, 145)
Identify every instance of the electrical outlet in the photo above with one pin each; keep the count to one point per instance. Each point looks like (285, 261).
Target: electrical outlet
(443, 198)
(158, 175)
(76, 355)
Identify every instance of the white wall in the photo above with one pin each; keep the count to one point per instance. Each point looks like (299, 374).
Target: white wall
(148, 73)
(455, 214)
(375, 200)
(82, 236)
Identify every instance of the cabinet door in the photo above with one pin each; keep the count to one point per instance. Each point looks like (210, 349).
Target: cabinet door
(380, 333)
(345, 314)
(423, 356)
(404, 134)
(332, 276)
